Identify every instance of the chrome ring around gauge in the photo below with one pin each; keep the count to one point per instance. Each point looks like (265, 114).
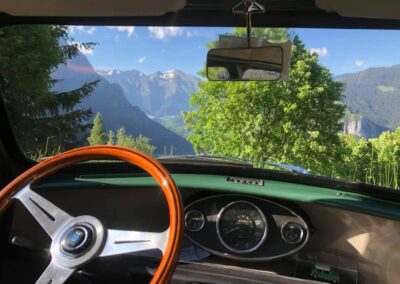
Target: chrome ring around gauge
(194, 220)
(292, 233)
(241, 227)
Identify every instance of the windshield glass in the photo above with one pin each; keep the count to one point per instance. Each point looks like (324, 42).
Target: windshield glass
(145, 87)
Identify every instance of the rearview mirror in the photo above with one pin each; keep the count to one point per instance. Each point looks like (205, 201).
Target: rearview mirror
(264, 63)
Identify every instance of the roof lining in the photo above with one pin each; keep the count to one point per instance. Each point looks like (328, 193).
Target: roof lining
(300, 19)
(97, 8)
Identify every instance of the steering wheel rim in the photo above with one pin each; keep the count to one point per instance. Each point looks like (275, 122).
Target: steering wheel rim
(171, 253)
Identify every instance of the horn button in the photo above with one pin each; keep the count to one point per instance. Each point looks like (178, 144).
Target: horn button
(77, 239)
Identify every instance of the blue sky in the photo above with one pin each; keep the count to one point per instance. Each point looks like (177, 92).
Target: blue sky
(152, 49)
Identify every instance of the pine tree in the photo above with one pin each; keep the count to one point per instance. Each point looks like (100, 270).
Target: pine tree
(44, 120)
(97, 134)
(111, 138)
(121, 137)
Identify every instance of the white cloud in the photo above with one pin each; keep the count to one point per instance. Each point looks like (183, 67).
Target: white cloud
(84, 50)
(91, 30)
(141, 60)
(81, 29)
(359, 62)
(321, 52)
(193, 33)
(164, 33)
(129, 30)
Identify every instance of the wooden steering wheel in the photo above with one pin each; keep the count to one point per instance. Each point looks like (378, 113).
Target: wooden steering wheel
(78, 240)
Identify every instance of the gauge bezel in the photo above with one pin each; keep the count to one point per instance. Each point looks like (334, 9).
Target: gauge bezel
(225, 253)
(202, 225)
(254, 248)
(301, 235)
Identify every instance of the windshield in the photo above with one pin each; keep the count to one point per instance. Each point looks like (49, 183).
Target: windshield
(145, 88)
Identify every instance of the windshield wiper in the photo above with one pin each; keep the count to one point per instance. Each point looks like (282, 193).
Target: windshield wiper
(291, 168)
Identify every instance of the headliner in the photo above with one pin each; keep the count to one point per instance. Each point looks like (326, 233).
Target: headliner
(280, 13)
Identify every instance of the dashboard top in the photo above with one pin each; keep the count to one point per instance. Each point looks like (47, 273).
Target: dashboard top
(269, 188)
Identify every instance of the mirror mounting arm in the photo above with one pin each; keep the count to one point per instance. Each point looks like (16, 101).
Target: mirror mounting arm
(248, 24)
(248, 8)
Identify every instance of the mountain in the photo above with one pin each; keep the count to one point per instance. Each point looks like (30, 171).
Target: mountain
(159, 94)
(117, 112)
(373, 97)
(358, 125)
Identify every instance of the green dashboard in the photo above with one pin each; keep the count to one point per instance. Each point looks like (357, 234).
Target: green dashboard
(269, 189)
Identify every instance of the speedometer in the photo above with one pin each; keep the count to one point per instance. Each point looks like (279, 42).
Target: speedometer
(241, 227)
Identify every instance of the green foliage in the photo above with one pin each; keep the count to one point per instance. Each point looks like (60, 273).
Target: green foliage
(386, 89)
(356, 163)
(274, 35)
(111, 138)
(28, 56)
(374, 161)
(293, 122)
(44, 154)
(296, 122)
(173, 123)
(140, 143)
(97, 135)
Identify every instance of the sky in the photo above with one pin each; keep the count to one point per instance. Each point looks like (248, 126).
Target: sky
(153, 49)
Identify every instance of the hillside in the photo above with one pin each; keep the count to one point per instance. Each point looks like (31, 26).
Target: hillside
(110, 101)
(159, 94)
(373, 96)
(358, 125)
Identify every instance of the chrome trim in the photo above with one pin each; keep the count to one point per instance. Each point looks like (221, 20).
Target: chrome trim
(202, 225)
(88, 229)
(130, 242)
(243, 258)
(99, 235)
(262, 217)
(248, 181)
(301, 234)
(50, 217)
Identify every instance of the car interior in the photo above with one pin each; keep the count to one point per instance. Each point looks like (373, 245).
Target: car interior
(93, 213)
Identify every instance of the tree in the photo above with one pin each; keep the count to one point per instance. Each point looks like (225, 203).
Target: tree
(141, 143)
(357, 158)
(97, 134)
(111, 138)
(42, 119)
(374, 161)
(295, 122)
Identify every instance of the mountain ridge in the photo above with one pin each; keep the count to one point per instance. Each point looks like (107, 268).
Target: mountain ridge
(158, 94)
(373, 97)
(109, 97)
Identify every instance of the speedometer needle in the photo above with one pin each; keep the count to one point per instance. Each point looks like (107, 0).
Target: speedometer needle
(232, 230)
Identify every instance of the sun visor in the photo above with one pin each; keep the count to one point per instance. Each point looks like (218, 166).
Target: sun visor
(90, 8)
(382, 9)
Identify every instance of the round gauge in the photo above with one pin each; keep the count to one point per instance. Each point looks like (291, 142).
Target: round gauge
(292, 232)
(241, 227)
(194, 220)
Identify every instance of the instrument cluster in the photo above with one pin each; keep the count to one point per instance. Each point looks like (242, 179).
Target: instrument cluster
(245, 228)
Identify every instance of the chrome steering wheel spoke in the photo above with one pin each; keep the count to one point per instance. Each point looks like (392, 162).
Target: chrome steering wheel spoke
(49, 216)
(69, 234)
(129, 242)
(55, 274)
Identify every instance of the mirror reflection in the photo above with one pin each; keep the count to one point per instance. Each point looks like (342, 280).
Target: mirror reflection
(243, 64)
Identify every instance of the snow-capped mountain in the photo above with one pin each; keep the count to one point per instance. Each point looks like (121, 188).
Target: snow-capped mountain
(109, 99)
(158, 94)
